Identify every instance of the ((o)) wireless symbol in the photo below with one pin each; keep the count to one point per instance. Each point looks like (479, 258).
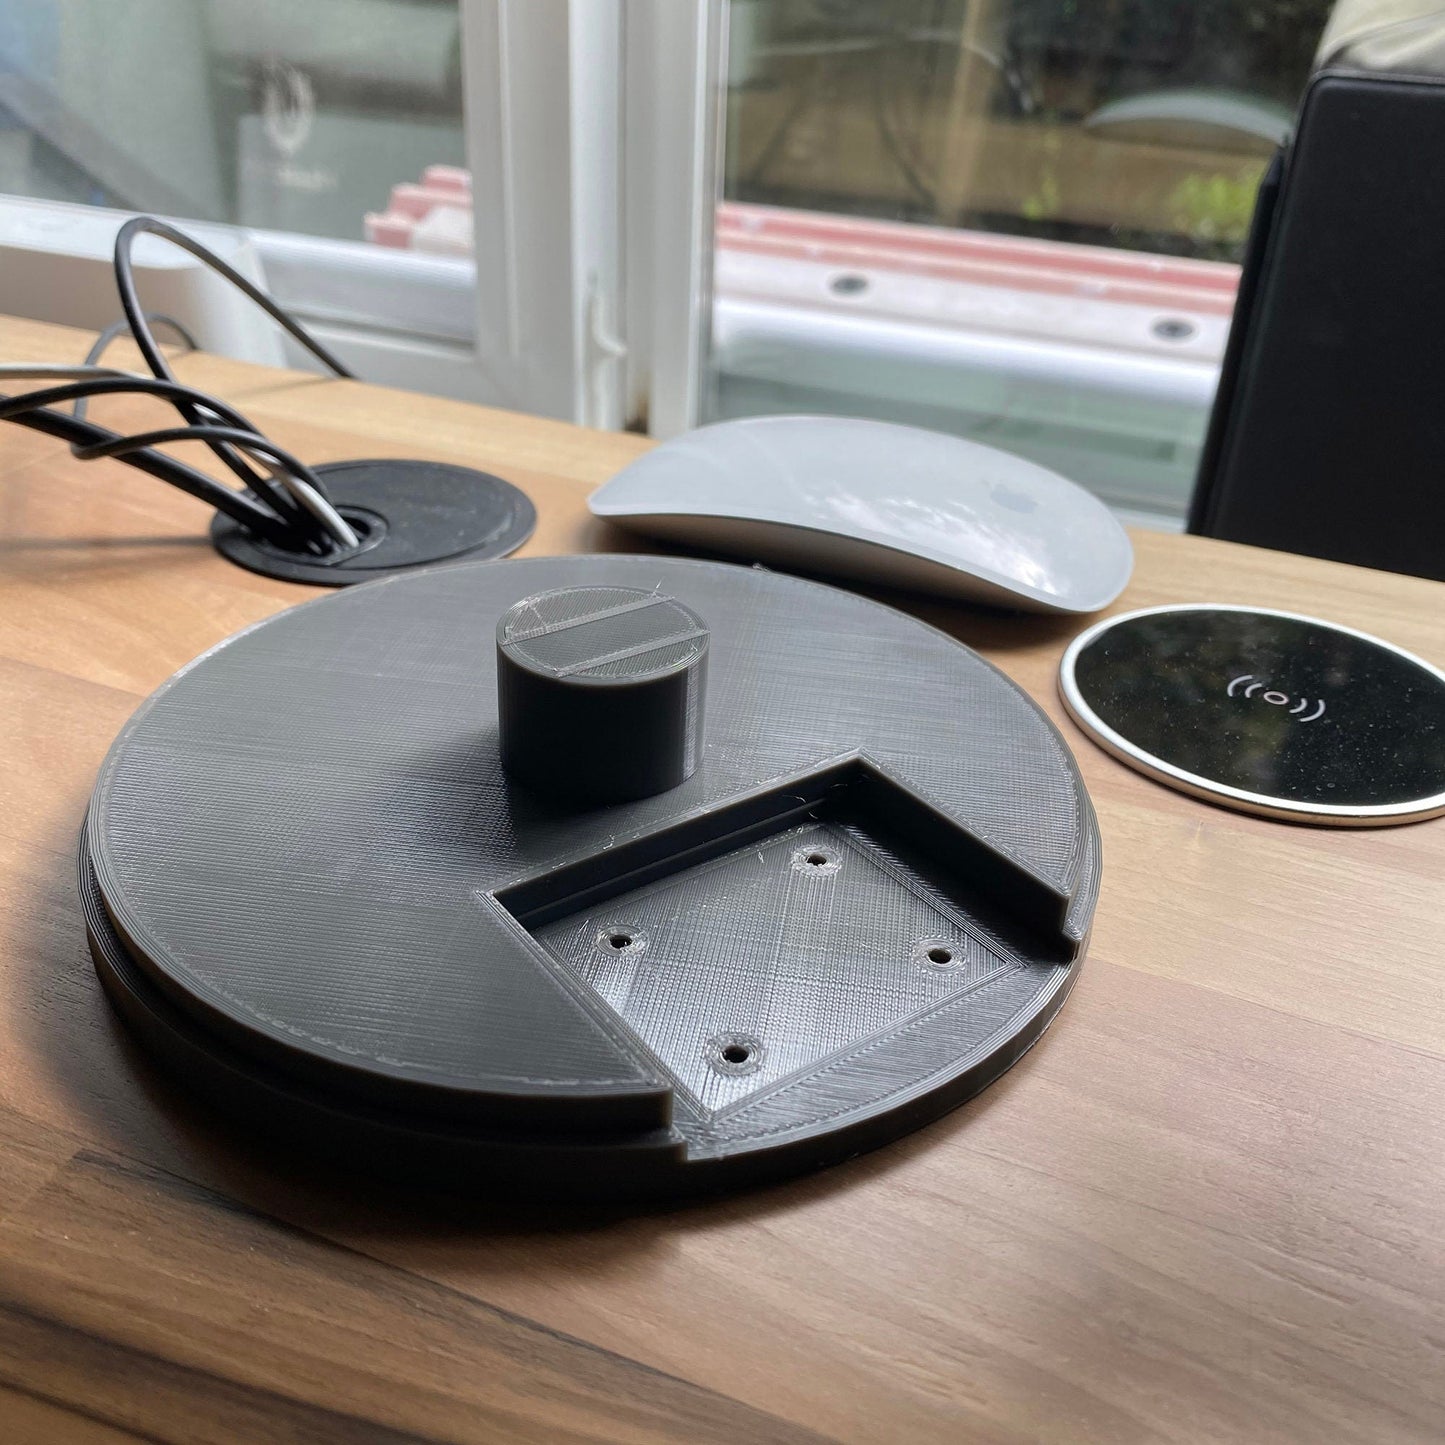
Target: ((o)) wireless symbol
(1301, 709)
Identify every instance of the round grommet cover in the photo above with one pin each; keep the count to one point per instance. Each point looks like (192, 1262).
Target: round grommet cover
(1266, 712)
(408, 513)
(314, 889)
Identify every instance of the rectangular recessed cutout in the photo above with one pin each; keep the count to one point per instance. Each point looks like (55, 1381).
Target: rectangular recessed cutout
(851, 790)
(745, 944)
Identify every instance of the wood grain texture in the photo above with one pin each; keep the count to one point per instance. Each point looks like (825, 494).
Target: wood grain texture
(1209, 1206)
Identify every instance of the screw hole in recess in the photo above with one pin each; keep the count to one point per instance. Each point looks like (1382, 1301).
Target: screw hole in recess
(817, 860)
(615, 939)
(735, 1053)
(939, 954)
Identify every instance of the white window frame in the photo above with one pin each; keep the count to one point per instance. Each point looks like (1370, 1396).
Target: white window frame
(593, 129)
(674, 97)
(583, 132)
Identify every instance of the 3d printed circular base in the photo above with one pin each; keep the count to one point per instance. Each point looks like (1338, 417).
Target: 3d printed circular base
(408, 514)
(312, 887)
(1265, 712)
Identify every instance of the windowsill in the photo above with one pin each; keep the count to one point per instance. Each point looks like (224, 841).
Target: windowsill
(1100, 364)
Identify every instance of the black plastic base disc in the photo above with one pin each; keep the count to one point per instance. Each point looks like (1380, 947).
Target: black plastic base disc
(409, 514)
(437, 1155)
(314, 890)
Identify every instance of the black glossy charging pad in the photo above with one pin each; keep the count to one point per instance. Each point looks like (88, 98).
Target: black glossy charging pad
(312, 888)
(1266, 712)
(407, 513)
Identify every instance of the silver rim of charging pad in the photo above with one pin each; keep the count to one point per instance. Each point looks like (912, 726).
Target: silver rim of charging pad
(1084, 707)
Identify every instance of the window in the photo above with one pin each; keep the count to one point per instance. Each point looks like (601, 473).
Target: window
(287, 115)
(296, 121)
(311, 126)
(1143, 124)
(957, 213)
(1018, 220)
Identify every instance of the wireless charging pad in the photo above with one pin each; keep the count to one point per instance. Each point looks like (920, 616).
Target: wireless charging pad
(1266, 712)
(314, 890)
(407, 514)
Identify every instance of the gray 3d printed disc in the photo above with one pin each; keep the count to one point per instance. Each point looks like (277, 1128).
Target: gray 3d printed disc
(311, 886)
(1266, 712)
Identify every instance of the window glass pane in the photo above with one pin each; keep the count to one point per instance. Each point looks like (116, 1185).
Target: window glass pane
(294, 115)
(955, 213)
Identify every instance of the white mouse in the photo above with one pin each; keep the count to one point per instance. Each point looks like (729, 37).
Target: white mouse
(882, 503)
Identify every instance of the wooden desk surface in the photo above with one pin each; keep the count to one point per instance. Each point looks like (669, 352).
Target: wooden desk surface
(1210, 1206)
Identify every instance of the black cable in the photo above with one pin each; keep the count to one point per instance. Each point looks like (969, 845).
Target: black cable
(245, 509)
(140, 330)
(117, 329)
(266, 506)
(238, 435)
(177, 393)
(122, 448)
(172, 391)
(125, 282)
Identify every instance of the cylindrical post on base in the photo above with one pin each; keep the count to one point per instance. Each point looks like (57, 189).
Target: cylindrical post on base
(600, 692)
